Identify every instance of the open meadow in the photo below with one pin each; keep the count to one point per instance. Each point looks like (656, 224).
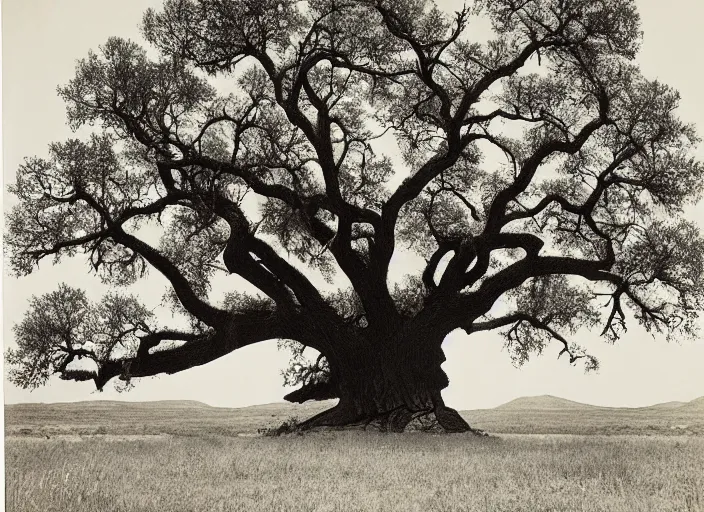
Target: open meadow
(184, 456)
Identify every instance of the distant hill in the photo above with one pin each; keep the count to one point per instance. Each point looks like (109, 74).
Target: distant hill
(554, 403)
(176, 417)
(667, 405)
(553, 415)
(695, 406)
(543, 403)
(98, 404)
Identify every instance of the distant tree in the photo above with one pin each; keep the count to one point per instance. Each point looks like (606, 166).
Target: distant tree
(538, 173)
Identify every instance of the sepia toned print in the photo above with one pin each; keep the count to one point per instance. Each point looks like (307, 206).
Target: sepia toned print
(361, 185)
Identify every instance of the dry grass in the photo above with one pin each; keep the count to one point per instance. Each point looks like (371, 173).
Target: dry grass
(184, 456)
(347, 471)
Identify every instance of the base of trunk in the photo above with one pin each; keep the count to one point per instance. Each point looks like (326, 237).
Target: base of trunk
(387, 386)
(438, 418)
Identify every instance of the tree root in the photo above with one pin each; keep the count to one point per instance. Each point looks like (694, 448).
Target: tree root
(440, 419)
(338, 416)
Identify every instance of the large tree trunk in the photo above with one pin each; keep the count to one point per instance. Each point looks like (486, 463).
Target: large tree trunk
(389, 384)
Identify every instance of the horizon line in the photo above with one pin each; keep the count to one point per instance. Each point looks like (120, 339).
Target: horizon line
(282, 402)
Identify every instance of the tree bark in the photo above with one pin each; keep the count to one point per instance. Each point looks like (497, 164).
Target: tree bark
(387, 383)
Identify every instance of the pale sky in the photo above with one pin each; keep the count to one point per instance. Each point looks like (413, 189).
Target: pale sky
(42, 39)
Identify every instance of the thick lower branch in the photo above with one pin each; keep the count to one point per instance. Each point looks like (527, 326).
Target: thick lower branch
(240, 331)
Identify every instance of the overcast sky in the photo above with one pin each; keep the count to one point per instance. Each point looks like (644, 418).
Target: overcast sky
(42, 39)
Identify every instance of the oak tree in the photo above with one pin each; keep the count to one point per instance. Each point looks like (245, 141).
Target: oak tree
(538, 173)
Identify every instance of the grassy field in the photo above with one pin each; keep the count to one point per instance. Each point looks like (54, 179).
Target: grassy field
(349, 472)
(157, 457)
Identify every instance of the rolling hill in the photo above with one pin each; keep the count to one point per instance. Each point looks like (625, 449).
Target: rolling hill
(552, 415)
(696, 406)
(554, 403)
(668, 405)
(528, 415)
(543, 403)
(106, 404)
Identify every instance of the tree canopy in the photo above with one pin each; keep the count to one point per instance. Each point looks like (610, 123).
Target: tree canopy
(538, 173)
